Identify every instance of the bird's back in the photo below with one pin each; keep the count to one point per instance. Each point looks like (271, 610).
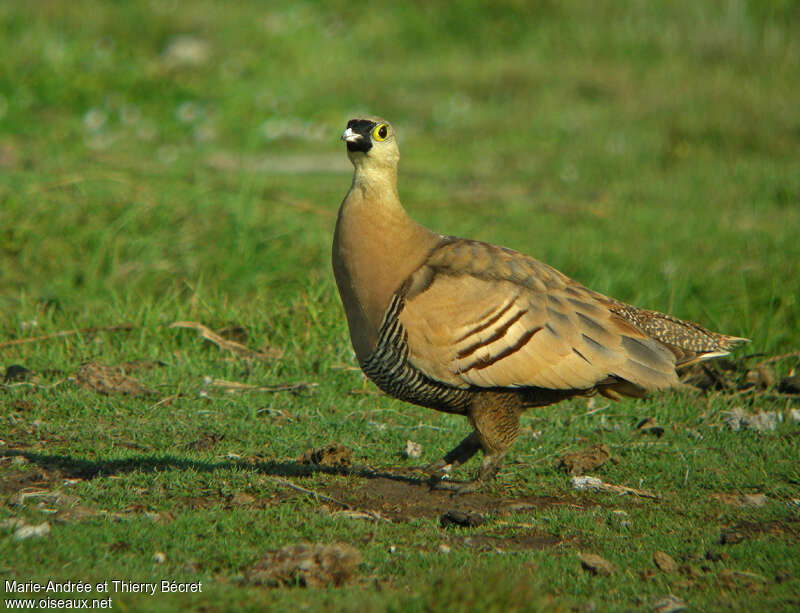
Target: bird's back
(475, 316)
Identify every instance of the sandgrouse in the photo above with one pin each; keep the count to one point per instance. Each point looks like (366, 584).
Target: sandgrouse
(466, 327)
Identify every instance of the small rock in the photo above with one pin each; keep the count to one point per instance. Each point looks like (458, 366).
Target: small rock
(670, 604)
(26, 532)
(733, 418)
(794, 416)
(664, 562)
(648, 426)
(16, 373)
(12, 523)
(731, 537)
(159, 557)
(333, 454)
(738, 419)
(443, 548)
(185, 51)
(242, 499)
(766, 420)
(759, 377)
(716, 556)
(306, 565)
(586, 483)
(583, 461)
(595, 564)
(460, 518)
(74, 514)
(789, 385)
(753, 500)
(411, 450)
(743, 500)
(109, 380)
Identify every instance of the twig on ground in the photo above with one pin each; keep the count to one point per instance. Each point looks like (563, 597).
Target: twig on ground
(584, 482)
(236, 386)
(44, 337)
(166, 400)
(225, 344)
(428, 427)
(593, 411)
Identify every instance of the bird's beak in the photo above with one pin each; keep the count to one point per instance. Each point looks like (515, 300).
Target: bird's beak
(351, 137)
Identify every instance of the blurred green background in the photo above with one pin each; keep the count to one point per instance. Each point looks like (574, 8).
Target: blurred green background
(165, 160)
(649, 149)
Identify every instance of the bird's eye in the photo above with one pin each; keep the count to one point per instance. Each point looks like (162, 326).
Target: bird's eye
(381, 132)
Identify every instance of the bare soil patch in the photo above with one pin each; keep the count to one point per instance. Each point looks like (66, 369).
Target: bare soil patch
(403, 499)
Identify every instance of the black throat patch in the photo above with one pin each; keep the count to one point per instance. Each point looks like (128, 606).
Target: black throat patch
(364, 128)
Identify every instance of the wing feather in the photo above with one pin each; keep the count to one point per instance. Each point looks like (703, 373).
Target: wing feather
(490, 317)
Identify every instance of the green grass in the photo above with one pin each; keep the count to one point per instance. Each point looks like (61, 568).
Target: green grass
(647, 149)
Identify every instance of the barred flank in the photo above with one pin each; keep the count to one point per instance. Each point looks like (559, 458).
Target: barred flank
(389, 369)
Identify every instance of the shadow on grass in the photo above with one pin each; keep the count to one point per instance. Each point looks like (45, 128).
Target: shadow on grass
(80, 468)
(398, 497)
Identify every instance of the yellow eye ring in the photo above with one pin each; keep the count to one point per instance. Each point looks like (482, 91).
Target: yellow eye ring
(381, 132)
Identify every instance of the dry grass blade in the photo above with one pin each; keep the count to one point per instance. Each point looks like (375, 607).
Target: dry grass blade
(306, 565)
(783, 356)
(236, 386)
(584, 482)
(353, 514)
(44, 337)
(225, 344)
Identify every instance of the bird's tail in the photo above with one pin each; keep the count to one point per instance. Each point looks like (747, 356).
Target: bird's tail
(690, 342)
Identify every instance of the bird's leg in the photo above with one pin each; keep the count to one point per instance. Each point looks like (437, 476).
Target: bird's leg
(495, 417)
(455, 457)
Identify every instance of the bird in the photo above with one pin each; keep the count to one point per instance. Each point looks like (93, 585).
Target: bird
(475, 329)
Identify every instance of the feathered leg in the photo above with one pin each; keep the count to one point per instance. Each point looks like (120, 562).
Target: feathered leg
(495, 417)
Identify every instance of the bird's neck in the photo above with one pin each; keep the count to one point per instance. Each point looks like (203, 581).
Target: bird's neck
(376, 247)
(379, 183)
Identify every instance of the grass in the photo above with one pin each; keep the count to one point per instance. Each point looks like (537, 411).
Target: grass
(170, 161)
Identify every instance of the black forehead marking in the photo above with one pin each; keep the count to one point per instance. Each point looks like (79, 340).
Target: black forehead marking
(361, 126)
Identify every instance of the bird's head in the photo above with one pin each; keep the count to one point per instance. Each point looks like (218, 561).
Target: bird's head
(371, 142)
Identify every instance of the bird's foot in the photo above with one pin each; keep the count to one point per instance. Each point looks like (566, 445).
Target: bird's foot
(486, 473)
(440, 469)
(438, 474)
(440, 480)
